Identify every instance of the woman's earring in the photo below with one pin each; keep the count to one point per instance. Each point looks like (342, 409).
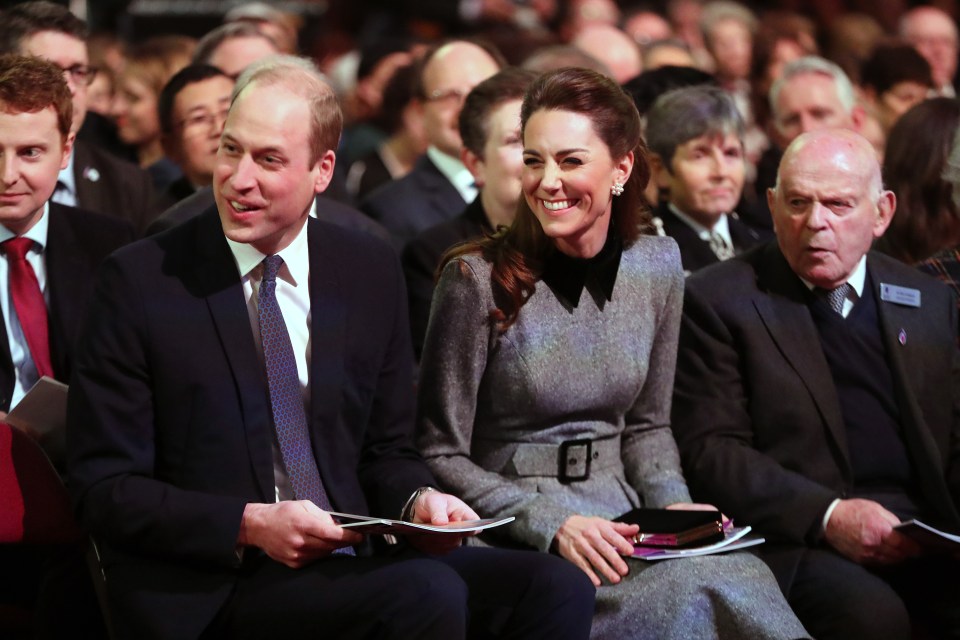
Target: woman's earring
(617, 188)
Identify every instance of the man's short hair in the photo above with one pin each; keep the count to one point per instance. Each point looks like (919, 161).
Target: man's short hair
(814, 65)
(29, 85)
(889, 65)
(716, 12)
(209, 43)
(301, 77)
(508, 84)
(27, 18)
(420, 91)
(181, 80)
(681, 115)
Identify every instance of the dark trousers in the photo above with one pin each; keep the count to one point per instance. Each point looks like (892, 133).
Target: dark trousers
(471, 592)
(839, 599)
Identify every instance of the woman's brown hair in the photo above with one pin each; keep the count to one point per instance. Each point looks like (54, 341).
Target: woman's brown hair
(517, 253)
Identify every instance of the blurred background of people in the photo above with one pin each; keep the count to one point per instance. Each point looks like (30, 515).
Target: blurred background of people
(191, 109)
(148, 67)
(892, 80)
(914, 168)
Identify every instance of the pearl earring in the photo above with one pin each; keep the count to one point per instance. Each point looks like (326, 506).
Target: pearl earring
(617, 188)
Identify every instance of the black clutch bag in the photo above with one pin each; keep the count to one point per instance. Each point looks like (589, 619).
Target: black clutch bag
(669, 528)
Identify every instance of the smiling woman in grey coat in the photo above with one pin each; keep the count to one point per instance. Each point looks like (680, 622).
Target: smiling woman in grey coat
(548, 368)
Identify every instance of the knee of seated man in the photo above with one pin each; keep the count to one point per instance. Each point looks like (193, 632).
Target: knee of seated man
(432, 587)
(848, 601)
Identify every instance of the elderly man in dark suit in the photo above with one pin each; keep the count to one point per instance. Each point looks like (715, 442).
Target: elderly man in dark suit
(816, 399)
(439, 186)
(244, 374)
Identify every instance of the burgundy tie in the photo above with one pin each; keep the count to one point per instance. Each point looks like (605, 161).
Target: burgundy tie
(29, 304)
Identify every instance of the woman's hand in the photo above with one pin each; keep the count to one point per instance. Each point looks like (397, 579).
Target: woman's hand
(596, 544)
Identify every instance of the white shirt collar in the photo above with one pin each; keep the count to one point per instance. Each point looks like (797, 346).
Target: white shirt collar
(454, 171)
(296, 258)
(37, 233)
(857, 279)
(722, 226)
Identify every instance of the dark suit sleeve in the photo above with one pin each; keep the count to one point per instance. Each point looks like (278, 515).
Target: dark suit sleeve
(718, 442)
(113, 440)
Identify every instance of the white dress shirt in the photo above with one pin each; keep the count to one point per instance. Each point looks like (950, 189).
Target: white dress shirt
(25, 371)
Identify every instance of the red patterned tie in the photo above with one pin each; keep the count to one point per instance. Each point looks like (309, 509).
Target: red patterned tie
(29, 304)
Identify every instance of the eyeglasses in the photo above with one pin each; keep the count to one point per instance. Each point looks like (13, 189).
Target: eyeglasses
(448, 95)
(80, 74)
(203, 121)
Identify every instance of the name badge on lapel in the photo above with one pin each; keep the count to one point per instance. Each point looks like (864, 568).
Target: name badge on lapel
(900, 295)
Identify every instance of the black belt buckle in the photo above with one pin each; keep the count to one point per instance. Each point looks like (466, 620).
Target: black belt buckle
(576, 454)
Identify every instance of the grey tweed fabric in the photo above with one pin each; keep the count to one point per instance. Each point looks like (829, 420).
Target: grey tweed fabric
(602, 369)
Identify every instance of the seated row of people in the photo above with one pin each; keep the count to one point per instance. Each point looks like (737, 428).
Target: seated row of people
(196, 460)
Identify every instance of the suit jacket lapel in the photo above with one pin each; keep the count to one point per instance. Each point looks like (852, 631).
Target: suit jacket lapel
(219, 283)
(86, 189)
(67, 278)
(784, 313)
(446, 202)
(923, 451)
(327, 339)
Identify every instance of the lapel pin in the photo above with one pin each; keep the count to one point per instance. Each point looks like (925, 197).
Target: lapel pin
(902, 337)
(91, 174)
(904, 296)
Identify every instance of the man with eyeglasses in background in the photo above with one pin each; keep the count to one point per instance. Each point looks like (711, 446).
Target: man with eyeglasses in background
(439, 186)
(94, 179)
(192, 108)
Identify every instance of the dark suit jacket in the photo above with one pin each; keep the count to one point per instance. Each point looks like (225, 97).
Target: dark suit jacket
(175, 192)
(756, 414)
(421, 257)
(422, 198)
(109, 185)
(694, 252)
(327, 210)
(169, 425)
(77, 242)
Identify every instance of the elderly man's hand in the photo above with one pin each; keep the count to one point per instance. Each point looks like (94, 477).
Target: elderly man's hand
(862, 530)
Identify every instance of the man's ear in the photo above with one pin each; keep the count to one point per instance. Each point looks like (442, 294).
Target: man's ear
(886, 207)
(325, 165)
(67, 150)
(659, 171)
(858, 116)
(474, 165)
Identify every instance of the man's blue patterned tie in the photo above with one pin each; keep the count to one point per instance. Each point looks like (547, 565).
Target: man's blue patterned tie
(286, 399)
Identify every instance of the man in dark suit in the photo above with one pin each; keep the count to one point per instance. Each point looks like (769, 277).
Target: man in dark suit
(43, 295)
(248, 371)
(93, 179)
(191, 109)
(695, 135)
(439, 186)
(493, 153)
(816, 399)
